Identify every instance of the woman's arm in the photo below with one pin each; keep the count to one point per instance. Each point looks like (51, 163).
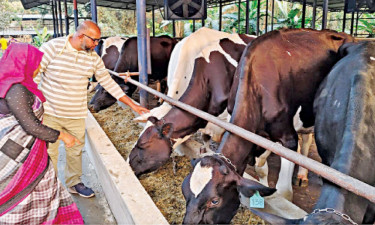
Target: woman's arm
(20, 102)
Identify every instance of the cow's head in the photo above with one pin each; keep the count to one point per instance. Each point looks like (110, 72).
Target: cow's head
(153, 147)
(318, 216)
(102, 99)
(212, 191)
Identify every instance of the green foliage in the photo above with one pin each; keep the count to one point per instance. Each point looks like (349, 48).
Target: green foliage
(8, 14)
(41, 37)
(367, 24)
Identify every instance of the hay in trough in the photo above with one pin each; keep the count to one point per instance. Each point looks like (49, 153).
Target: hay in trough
(163, 185)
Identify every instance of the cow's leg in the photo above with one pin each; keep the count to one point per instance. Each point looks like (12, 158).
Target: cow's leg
(261, 167)
(284, 132)
(302, 179)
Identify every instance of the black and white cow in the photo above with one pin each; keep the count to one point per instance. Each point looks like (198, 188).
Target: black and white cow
(345, 137)
(279, 72)
(208, 90)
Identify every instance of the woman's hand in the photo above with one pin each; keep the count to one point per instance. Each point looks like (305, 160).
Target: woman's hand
(68, 139)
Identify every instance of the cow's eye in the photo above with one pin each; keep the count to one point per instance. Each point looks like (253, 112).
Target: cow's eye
(214, 202)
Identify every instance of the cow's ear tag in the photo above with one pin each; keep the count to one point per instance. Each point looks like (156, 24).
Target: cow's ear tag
(257, 201)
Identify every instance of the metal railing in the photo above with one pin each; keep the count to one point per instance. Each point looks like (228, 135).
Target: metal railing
(349, 183)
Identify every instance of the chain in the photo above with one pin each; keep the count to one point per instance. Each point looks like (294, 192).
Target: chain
(333, 211)
(226, 159)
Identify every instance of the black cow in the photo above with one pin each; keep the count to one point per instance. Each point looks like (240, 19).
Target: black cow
(278, 72)
(208, 90)
(345, 136)
(161, 49)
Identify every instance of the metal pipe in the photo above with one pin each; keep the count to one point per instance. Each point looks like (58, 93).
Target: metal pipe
(173, 28)
(258, 18)
(303, 14)
(344, 18)
(220, 14)
(142, 49)
(314, 14)
(53, 18)
(193, 26)
(356, 24)
(351, 184)
(66, 18)
(94, 11)
(60, 19)
(266, 28)
(325, 14)
(247, 16)
(75, 11)
(352, 25)
(203, 23)
(239, 17)
(56, 19)
(273, 12)
(153, 21)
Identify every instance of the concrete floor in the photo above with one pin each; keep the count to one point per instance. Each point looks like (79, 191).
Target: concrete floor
(94, 210)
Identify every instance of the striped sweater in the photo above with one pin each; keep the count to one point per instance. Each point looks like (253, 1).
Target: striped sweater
(64, 76)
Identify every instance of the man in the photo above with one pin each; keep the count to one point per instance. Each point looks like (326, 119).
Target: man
(4, 44)
(67, 65)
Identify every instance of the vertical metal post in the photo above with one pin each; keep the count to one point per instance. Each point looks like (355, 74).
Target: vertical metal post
(247, 16)
(220, 14)
(173, 28)
(193, 25)
(273, 13)
(303, 14)
(314, 14)
(325, 14)
(266, 16)
(203, 22)
(153, 21)
(352, 25)
(239, 16)
(60, 19)
(258, 18)
(344, 17)
(94, 12)
(66, 18)
(142, 49)
(75, 11)
(356, 24)
(53, 18)
(56, 19)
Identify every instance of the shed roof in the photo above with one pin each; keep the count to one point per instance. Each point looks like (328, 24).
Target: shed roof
(334, 5)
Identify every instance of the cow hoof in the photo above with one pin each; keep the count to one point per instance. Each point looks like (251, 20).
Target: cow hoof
(302, 182)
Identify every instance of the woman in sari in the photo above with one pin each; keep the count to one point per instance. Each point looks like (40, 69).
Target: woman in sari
(30, 192)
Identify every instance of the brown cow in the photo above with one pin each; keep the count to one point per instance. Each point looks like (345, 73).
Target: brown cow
(278, 72)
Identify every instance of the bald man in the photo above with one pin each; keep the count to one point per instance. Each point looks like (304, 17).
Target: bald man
(67, 65)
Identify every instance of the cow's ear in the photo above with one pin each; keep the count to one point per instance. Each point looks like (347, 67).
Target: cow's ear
(153, 119)
(167, 130)
(346, 48)
(248, 188)
(273, 219)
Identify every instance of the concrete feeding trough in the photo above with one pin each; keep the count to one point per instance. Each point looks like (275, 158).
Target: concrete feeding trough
(128, 199)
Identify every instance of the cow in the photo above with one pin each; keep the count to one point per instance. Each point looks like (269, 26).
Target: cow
(345, 136)
(161, 48)
(109, 50)
(180, 71)
(208, 90)
(278, 72)
(151, 159)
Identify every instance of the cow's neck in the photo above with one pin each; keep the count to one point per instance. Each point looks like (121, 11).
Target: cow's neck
(183, 122)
